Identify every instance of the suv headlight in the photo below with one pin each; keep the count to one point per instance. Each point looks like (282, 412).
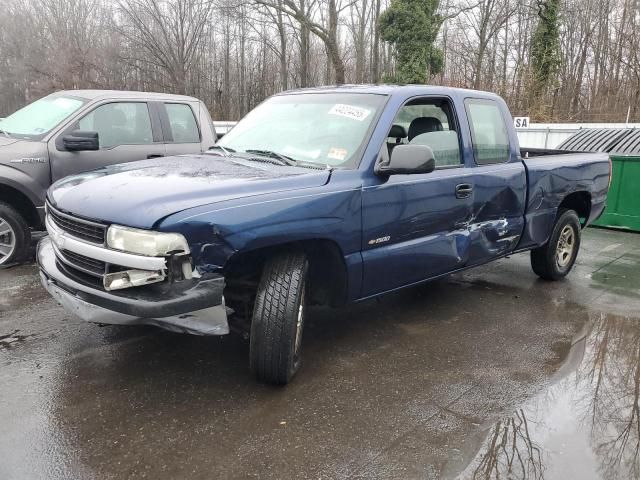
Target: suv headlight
(145, 242)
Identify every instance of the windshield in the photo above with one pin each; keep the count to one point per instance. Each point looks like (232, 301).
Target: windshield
(38, 118)
(322, 128)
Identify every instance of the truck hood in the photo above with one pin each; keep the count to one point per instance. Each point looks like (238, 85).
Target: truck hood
(5, 141)
(139, 194)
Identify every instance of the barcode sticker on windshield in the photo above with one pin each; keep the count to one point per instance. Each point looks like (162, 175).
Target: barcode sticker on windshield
(349, 111)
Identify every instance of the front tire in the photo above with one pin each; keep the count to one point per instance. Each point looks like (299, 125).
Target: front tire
(15, 236)
(278, 319)
(555, 260)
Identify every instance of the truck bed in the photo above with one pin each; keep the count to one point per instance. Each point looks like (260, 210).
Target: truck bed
(553, 176)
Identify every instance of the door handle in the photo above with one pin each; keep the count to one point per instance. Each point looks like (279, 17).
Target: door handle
(464, 190)
(155, 155)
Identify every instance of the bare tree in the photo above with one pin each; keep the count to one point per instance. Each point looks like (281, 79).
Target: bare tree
(168, 34)
(234, 53)
(328, 32)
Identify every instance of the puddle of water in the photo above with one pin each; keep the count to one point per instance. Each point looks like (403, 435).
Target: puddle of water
(586, 425)
(620, 276)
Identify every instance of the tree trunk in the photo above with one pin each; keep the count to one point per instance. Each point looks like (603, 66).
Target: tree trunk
(332, 43)
(282, 34)
(375, 54)
(305, 42)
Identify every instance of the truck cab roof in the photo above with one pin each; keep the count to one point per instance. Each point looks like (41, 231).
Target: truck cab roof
(106, 94)
(395, 90)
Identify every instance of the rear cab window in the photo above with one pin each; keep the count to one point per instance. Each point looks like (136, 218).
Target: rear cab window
(489, 132)
(182, 123)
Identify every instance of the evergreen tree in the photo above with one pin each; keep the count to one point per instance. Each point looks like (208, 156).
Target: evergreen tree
(545, 48)
(412, 27)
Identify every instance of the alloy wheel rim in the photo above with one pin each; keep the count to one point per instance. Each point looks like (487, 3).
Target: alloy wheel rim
(566, 246)
(7, 240)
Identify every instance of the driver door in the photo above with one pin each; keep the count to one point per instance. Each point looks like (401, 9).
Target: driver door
(415, 227)
(126, 132)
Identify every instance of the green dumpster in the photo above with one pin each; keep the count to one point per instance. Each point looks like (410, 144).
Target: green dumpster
(623, 202)
(623, 145)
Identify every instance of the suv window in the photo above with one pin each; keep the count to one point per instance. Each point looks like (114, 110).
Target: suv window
(119, 123)
(488, 132)
(184, 127)
(430, 122)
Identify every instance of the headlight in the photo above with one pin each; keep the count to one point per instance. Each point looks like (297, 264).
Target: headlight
(145, 242)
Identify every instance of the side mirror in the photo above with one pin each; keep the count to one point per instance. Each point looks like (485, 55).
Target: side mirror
(80, 141)
(407, 160)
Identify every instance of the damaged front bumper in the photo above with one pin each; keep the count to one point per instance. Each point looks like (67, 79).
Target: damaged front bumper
(193, 306)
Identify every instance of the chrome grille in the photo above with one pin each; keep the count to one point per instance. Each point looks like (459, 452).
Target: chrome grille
(82, 229)
(85, 264)
(79, 275)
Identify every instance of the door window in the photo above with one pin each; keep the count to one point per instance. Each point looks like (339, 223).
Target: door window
(488, 132)
(119, 123)
(430, 122)
(184, 127)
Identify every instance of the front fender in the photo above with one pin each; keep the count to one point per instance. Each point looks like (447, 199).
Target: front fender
(216, 232)
(20, 181)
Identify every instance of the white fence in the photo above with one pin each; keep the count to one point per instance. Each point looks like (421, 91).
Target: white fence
(550, 135)
(223, 127)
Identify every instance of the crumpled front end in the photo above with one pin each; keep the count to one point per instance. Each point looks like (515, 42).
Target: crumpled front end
(104, 285)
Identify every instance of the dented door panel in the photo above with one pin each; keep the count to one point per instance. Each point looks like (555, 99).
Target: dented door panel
(414, 227)
(498, 210)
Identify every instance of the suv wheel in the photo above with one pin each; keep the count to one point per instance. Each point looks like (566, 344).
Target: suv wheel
(278, 319)
(555, 260)
(15, 236)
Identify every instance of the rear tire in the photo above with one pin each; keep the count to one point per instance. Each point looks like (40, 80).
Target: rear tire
(278, 319)
(555, 260)
(15, 236)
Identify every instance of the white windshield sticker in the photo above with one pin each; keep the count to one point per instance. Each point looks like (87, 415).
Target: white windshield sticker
(349, 111)
(337, 153)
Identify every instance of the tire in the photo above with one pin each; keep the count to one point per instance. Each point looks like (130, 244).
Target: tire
(555, 260)
(15, 236)
(278, 319)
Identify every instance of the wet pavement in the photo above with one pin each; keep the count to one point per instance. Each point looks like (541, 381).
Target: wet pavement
(487, 374)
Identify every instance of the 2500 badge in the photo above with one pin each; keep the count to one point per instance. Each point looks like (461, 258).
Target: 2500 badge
(377, 241)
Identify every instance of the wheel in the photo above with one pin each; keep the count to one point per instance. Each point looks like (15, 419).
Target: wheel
(15, 236)
(555, 260)
(278, 319)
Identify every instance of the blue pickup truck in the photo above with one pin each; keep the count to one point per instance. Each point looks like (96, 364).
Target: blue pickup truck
(318, 196)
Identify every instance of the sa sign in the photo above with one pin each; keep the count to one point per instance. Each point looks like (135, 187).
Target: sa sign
(521, 122)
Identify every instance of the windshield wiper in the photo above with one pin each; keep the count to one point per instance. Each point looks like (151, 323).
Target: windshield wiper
(275, 155)
(226, 150)
(6, 134)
